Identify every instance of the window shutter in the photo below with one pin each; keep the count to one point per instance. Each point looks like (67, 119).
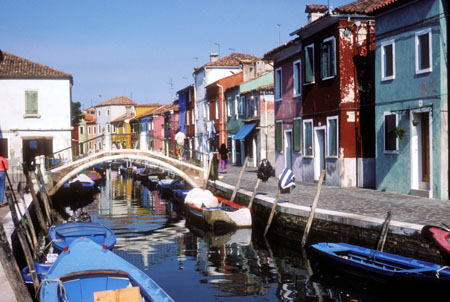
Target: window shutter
(297, 138)
(278, 136)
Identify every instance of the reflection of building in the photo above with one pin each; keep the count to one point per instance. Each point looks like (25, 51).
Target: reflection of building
(35, 116)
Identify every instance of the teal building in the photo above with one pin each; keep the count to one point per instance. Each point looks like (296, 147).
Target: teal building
(411, 83)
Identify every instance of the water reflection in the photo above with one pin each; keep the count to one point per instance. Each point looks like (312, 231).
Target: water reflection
(194, 265)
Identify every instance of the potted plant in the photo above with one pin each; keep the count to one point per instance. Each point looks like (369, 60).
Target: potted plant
(400, 132)
(415, 122)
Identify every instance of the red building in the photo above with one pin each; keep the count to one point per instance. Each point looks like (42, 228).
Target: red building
(217, 104)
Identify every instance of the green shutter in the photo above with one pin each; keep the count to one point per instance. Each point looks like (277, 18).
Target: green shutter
(297, 136)
(308, 139)
(278, 136)
(31, 102)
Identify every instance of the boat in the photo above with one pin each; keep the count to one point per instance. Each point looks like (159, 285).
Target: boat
(179, 195)
(440, 237)
(167, 185)
(95, 176)
(207, 211)
(381, 267)
(72, 278)
(81, 184)
(41, 271)
(62, 235)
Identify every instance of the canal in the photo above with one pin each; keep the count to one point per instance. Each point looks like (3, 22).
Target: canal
(191, 265)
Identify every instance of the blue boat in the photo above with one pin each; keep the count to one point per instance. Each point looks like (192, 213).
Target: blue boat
(179, 195)
(167, 185)
(41, 271)
(73, 278)
(62, 235)
(382, 267)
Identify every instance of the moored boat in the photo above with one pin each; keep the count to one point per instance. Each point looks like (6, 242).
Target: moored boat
(212, 212)
(167, 185)
(105, 274)
(62, 235)
(388, 269)
(440, 237)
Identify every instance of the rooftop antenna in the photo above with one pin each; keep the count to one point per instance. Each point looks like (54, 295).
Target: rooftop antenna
(218, 45)
(279, 39)
(171, 88)
(232, 49)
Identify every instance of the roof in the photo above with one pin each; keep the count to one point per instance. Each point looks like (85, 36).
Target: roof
(89, 117)
(233, 59)
(362, 6)
(118, 100)
(15, 67)
(123, 118)
(148, 105)
(316, 8)
(160, 110)
(281, 47)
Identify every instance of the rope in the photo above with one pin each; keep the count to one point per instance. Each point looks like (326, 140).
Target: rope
(442, 268)
(61, 288)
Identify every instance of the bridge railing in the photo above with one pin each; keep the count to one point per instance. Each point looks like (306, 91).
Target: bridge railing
(109, 142)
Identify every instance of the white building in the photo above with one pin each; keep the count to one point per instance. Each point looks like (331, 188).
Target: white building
(212, 71)
(35, 115)
(110, 110)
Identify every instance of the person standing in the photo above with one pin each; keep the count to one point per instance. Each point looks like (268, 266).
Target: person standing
(179, 138)
(3, 168)
(223, 151)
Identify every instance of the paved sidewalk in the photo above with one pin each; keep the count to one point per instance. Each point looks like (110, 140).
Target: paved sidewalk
(366, 202)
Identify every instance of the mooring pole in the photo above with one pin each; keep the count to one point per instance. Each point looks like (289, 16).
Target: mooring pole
(239, 179)
(313, 209)
(384, 231)
(39, 214)
(269, 222)
(23, 242)
(12, 271)
(254, 193)
(43, 194)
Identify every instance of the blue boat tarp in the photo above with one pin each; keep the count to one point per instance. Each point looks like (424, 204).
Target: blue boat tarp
(244, 131)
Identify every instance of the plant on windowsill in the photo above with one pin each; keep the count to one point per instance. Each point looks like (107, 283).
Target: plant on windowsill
(414, 122)
(400, 132)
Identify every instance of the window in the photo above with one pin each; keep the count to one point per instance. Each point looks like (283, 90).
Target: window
(81, 130)
(309, 64)
(328, 58)
(4, 147)
(390, 138)
(332, 129)
(423, 51)
(187, 117)
(95, 129)
(297, 78)
(98, 113)
(297, 135)
(307, 138)
(113, 128)
(278, 92)
(236, 106)
(217, 109)
(31, 102)
(278, 136)
(193, 116)
(241, 106)
(388, 61)
(109, 128)
(229, 106)
(89, 129)
(107, 112)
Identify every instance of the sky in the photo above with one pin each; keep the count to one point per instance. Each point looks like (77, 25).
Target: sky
(143, 49)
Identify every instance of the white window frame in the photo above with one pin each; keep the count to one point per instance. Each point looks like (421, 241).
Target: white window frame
(329, 118)
(107, 112)
(332, 68)
(418, 56)
(278, 84)
(89, 130)
(217, 109)
(228, 106)
(236, 106)
(94, 128)
(297, 77)
(305, 154)
(384, 133)
(188, 114)
(81, 129)
(98, 112)
(383, 61)
(313, 65)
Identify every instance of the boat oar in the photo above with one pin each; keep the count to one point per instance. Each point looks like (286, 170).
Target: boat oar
(272, 212)
(384, 231)
(233, 196)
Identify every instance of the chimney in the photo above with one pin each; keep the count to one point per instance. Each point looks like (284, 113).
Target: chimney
(213, 57)
(315, 11)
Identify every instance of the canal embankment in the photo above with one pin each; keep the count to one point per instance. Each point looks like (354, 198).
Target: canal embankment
(353, 215)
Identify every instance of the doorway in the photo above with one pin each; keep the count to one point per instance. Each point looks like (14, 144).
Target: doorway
(319, 151)
(421, 150)
(288, 148)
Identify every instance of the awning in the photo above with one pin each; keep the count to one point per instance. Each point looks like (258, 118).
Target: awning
(244, 131)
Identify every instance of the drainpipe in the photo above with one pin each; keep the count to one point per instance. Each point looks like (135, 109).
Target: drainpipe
(223, 114)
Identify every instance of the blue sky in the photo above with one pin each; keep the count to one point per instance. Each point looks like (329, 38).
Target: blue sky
(143, 49)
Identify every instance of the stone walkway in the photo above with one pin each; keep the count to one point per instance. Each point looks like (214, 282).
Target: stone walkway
(366, 202)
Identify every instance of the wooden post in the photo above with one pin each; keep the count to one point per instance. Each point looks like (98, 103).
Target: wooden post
(209, 171)
(11, 269)
(23, 243)
(33, 236)
(39, 214)
(313, 209)
(384, 231)
(254, 193)
(272, 213)
(44, 196)
(239, 179)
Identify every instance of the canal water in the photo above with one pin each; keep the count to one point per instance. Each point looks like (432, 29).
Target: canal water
(191, 265)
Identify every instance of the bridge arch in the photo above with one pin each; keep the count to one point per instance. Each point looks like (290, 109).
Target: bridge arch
(195, 176)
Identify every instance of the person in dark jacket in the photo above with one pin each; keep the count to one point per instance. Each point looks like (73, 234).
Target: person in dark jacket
(223, 151)
(3, 168)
